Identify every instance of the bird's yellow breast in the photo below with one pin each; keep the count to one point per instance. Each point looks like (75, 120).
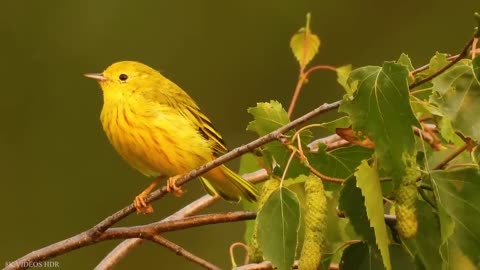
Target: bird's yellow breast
(153, 138)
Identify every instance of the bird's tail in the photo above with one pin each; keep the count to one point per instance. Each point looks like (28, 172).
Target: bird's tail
(229, 185)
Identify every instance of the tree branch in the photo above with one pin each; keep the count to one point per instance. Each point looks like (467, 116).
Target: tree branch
(182, 252)
(458, 57)
(175, 225)
(265, 265)
(144, 231)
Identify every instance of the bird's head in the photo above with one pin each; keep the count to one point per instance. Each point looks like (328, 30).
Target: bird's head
(125, 77)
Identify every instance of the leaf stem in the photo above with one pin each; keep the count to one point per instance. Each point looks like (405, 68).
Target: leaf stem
(451, 157)
(301, 81)
(232, 255)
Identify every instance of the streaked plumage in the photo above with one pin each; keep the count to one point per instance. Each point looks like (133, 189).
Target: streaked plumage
(160, 131)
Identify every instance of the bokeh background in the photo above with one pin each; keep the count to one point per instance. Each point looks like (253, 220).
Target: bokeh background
(58, 173)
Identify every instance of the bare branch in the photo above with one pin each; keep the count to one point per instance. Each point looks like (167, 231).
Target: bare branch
(145, 231)
(332, 142)
(175, 225)
(458, 57)
(182, 252)
(265, 265)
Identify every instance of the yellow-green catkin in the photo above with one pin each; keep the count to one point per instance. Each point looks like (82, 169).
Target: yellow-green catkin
(405, 199)
(315, 224)
(269, 186)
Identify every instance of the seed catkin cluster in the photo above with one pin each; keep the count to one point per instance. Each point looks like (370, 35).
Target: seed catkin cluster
(315, 224)
(405, 199)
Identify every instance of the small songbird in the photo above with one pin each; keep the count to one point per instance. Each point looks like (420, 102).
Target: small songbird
(160, 131)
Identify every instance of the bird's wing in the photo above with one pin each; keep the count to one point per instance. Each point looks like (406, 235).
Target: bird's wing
(175, 97)
(205, 128)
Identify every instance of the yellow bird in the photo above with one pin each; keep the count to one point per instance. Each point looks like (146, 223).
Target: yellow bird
(160, 131)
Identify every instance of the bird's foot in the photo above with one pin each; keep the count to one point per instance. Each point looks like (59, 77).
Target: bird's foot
(141, 205)
(172, 187)
(139, 202)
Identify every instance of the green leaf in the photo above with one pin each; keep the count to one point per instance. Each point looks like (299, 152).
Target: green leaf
(352, 203)
(426, 244)
(424, 108)
(339, 230)
(369, 183)
(437, 62)
(342, 75)
(457, 93)
(281, 156)
(405, 61)
(278, 223)
(342, 122)
(248, 164)
(305, 44)
(446, 129)
(326, 260)
(338, 163)
(457, 194)
(267, 118)
(476, 68)
(360, 256)
(380, 110)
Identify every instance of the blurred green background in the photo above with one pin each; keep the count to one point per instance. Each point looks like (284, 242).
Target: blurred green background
(60, 176)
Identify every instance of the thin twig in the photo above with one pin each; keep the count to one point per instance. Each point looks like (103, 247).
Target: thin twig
(474, 48)
(450, 157)
(119, 252)
(265, 265)
(425, 67)
(332, 142)
(232, 254)
(176, 225)
(459, 57)
(301, 81)
(182, 252)
(389, 219)
(325, 177)
(301, 156)
(122, 249)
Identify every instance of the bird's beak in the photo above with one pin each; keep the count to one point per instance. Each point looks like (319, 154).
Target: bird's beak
(97, 76)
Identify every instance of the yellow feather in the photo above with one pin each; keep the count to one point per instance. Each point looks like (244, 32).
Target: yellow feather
(160, 131)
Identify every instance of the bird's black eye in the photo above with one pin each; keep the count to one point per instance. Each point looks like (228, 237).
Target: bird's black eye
(123, 77)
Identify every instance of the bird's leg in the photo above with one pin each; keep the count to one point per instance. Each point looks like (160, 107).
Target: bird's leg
(171, 186)
(139, 202)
